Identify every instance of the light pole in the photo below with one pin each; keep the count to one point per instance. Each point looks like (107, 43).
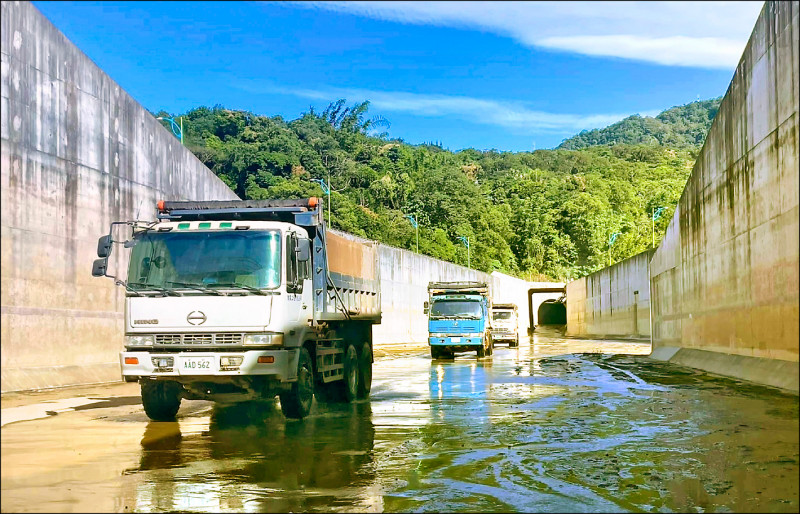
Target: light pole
(177, 130)
(465, 240)
(327, 190)
(415, 225)
(656, 214)
(611, 242)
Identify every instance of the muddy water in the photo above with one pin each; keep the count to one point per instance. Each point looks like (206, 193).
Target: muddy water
(555, 425)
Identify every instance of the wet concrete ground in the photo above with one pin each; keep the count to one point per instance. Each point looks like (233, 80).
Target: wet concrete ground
(554, 425)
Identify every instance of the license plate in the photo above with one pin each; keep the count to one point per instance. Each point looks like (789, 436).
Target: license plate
(455, 339)
(197, 365)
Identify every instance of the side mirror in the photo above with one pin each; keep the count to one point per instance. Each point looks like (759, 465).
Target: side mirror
(99, 267)
(426, 308)
(104, 246)
(303, 250)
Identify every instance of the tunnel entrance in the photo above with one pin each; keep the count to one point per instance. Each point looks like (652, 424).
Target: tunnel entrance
(552, 312)
(562, 290)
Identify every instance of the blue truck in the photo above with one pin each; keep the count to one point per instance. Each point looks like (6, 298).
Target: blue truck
(459, 318)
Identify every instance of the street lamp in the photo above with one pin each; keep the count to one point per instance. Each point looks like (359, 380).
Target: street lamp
(415, 225)
(656, 214)
(611, 242)
(177, 130)
(327, 190)
(465, 240)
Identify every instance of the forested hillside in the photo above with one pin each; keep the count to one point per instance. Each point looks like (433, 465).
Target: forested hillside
(685, 126)
(542, 214)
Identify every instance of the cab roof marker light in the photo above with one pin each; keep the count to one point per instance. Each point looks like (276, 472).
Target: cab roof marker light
(226, 224)
(182, 226)
(204, 225)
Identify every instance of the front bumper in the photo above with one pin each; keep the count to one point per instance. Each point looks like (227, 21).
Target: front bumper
(503, 335)
(146, 367)
(455, 341)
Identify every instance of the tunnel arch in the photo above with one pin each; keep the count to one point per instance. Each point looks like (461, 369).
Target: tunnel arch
(551, 291)
(552, 312)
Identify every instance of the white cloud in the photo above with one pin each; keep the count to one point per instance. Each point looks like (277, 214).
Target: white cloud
(511, 115)
(699, 34)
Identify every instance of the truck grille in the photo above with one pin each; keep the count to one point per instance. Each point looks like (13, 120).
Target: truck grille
(199, 339)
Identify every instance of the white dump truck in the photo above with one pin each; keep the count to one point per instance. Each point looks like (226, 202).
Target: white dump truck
(505, 323)
(244, 300)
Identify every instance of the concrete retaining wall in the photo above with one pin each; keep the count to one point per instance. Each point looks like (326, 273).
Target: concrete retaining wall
(725, 278)
(404, 277)
(77, 152)
(613, 302)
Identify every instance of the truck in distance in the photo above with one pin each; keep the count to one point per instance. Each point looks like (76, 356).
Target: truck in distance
(458, 318)
(244, 300)
(505, 323)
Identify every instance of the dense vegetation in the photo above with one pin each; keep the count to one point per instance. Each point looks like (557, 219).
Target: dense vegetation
(682, 127)
(542, 214)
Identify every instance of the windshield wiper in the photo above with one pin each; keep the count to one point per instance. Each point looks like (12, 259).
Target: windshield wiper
(150, 287)
(196, 287)
(241, 286)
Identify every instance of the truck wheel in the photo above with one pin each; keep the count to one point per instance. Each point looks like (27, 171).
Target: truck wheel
(346, 390)
(435, 352)
(515, 342)
(481, 352)
(161, 400)
(364, 371)
(490, 348)
(296, 403)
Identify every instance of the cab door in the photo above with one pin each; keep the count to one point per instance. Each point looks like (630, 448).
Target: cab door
(298, 280)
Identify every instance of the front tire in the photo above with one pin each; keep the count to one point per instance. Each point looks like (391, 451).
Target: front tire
(161, 400)
(296, 403)
(481, 351)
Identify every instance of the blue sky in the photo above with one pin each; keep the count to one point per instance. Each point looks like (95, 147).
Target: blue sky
(509, 76)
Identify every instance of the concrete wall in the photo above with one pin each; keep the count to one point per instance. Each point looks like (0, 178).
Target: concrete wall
(725, 278)
(404, 277)
(77, 152)
(605, 304)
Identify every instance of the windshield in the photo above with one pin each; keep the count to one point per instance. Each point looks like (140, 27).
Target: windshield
(456, 309)
(201, 260)
(502, 315)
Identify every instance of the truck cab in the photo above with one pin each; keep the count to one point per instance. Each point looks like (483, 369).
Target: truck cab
(505, 323)
(237, 301)
(458, 318)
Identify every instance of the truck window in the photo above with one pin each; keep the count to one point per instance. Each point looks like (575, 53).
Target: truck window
(456, 309)
(296, 271)
(501, 315)
(161, 259)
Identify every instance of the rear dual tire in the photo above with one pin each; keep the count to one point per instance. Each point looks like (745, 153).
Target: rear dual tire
(357, 381)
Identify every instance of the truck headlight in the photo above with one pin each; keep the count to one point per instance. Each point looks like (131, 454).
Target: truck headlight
(139, 340)
(263, 339)
(438, 334)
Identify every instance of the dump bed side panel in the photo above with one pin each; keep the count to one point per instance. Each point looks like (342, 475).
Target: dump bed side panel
(353, 266)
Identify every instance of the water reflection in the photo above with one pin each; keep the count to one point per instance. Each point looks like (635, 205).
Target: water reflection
(250, 458)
